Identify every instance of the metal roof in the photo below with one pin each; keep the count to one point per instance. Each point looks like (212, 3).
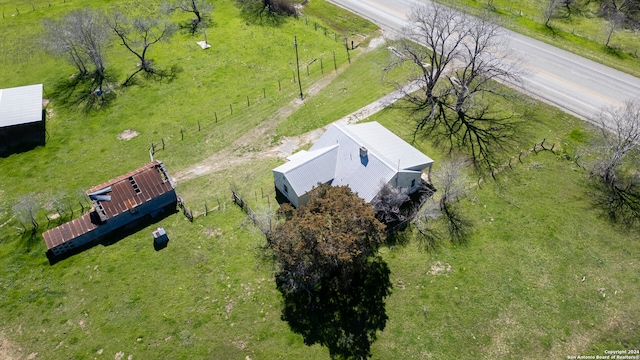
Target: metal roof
(133, 189)
(306, 169)
(125, 192)
(68, 231)
(389, 147)
(20, 105)
(386, 155)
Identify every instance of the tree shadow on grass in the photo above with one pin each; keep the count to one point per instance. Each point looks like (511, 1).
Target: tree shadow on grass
(344, 320)
(30, 238)
(619, 202)
(615, 51)
(81, 92)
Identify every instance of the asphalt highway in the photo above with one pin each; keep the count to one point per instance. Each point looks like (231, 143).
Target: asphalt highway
(577, 85)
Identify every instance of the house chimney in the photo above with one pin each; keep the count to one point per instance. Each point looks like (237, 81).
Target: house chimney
(363, 152)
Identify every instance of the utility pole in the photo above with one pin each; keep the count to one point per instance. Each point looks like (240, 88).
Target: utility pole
(295, 44)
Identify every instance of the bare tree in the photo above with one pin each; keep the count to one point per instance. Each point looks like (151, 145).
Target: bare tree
(201, 9)
(550, 11)
(81, 37)
(442, 32)
(629, 10)
(617, 160)
(459, 65)
(25, 209)
(451, 183)
(387, 204)
(616, 20)
(267, 10)
(138, 35)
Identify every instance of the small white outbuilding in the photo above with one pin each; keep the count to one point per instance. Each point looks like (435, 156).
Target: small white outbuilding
(363, 156)
(22, 119)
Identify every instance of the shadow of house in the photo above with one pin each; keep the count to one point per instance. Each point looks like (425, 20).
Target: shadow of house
(364, 157)
(22, 119)
(121, 207)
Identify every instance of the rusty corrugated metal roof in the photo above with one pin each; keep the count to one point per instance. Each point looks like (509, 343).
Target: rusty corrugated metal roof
(68, 231)
(127, 191)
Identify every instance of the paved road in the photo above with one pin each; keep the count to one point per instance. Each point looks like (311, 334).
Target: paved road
(577, 85)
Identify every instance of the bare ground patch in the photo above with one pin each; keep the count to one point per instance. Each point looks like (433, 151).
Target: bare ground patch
(127, 135)
(8, 351)
(440, 268)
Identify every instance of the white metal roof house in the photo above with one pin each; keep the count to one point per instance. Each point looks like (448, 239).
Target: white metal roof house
(363, 156)
(22, 120)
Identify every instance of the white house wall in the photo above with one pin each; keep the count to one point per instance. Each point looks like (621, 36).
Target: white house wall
(405, 180)
(283, 185)
(305, 171)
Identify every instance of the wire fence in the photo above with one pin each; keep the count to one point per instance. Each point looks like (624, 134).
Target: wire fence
(537, 147)
(213, 117)
(209, 123)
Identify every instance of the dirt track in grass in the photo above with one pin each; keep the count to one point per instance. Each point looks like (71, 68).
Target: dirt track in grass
(256, 144)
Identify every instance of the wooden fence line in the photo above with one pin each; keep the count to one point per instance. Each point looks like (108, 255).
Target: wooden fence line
(537, 147)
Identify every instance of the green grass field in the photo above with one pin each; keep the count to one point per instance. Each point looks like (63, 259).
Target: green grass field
(584, 33)
(514, 290)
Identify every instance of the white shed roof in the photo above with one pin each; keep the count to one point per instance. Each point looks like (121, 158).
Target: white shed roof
(20, 105)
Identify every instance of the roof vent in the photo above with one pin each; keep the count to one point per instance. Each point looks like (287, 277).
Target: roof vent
(100, 195)
(363, 151)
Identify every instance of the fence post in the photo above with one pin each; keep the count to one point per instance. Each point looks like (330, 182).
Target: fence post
(335, 65)
(182, 133)
(321, 67)
(231, 108)
(248, 103)
(279, 86)
(198, 125)
(216, 115)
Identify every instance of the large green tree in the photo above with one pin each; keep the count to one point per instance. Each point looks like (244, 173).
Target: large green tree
(332, 281)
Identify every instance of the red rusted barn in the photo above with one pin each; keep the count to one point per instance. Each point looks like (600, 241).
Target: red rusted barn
(125, 200)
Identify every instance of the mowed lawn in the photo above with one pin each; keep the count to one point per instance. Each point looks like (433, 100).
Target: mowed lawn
(514, 290)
